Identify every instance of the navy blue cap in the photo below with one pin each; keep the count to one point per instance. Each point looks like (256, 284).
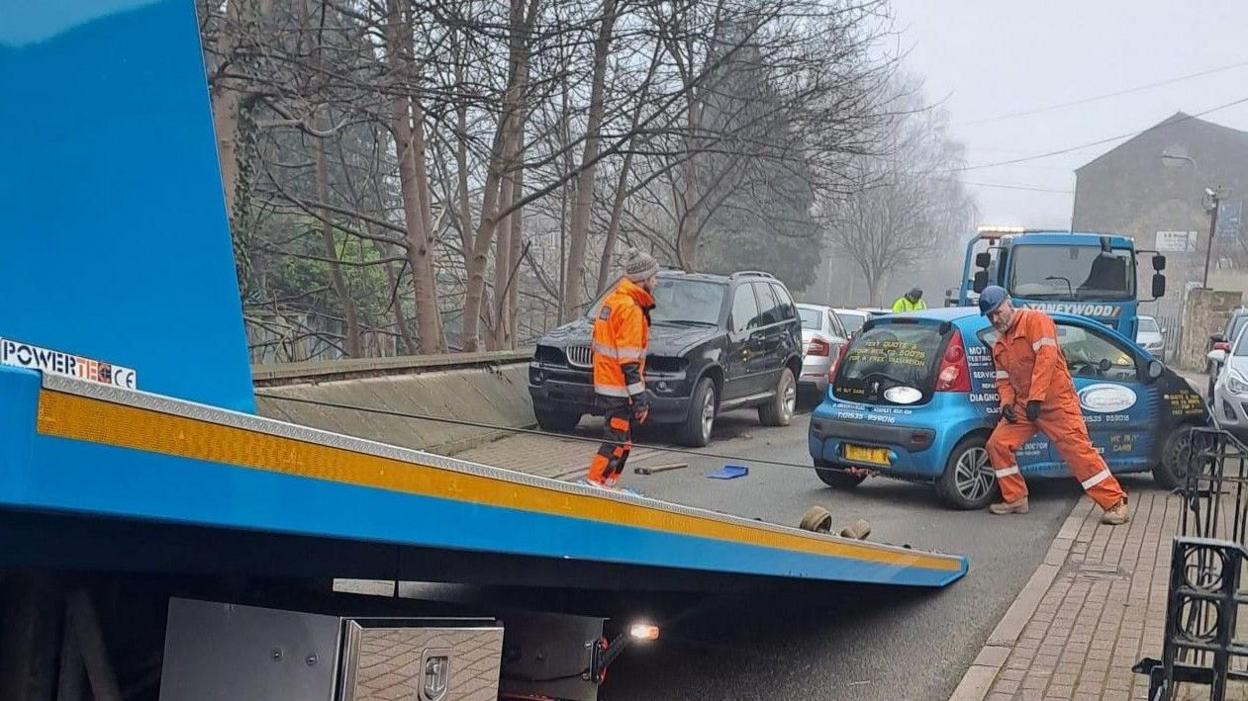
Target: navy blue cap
(991, 298)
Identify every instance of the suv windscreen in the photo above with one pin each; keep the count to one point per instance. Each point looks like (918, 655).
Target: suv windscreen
(889, 355)
(678, 301)
(1071, 272)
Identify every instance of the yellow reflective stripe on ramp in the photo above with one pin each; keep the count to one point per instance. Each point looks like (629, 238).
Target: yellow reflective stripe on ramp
(79, 418)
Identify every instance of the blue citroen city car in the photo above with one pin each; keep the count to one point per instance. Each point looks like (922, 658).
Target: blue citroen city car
(913, 397)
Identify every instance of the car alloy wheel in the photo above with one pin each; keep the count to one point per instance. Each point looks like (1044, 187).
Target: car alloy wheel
(708, 413)
(790, 400)
(973, 475)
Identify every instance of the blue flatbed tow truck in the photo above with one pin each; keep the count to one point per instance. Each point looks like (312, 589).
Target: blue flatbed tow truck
(1088, 274)
(134, 470)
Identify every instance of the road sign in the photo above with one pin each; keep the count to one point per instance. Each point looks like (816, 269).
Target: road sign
(1230, 212)
(1176, 241)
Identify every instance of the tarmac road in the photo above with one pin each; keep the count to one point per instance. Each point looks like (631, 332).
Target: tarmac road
(845, 642)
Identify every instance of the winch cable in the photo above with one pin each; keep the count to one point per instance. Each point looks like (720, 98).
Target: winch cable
(531, 431)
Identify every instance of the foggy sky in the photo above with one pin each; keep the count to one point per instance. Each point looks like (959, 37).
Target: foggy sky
(986, 58)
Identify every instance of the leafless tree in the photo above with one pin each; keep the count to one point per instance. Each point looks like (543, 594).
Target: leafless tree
(909, 208)
(422, 177)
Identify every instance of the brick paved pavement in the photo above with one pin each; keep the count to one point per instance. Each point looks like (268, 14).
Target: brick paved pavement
(1091, 611)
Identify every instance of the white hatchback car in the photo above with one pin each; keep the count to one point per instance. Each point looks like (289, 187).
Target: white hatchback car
(1229, 401)
(1151, 337)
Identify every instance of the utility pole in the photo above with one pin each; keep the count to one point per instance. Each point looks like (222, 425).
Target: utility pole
(1215, 196)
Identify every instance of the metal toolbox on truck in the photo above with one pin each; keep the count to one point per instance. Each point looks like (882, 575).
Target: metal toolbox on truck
(216, 651)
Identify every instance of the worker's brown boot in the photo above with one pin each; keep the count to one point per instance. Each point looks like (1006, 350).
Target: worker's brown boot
(1010, 507)
(1116, 515)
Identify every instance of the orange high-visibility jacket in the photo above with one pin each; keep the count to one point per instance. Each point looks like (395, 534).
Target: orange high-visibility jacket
(621, 335)
(1030, 366)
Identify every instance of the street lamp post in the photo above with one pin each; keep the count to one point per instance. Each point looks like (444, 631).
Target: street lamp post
(1215, 196)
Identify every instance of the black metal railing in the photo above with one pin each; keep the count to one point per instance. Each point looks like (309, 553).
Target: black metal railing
(1203, 643)
(1216, 487)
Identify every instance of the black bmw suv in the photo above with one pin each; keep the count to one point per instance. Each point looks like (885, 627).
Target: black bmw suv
(716, 343)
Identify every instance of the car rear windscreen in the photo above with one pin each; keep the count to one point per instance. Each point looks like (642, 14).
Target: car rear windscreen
(886, 356)
(811, 318)
(852, 322)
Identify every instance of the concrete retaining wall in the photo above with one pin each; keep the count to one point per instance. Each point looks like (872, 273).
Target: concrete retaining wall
(490, 388)
(1205, 314)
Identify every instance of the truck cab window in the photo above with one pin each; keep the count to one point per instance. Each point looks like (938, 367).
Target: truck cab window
(1071, 272)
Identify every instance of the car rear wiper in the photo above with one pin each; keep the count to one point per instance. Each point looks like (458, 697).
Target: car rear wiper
(886, 376)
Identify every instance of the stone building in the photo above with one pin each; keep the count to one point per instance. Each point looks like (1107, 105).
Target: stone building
(1132, 189)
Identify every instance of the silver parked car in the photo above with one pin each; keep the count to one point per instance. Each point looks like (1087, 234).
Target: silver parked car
(823, 336)
(1229, 400)
(1151, 337)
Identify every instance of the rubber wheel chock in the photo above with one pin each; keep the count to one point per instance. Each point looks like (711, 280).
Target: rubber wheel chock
(816, 519)
(858, 530)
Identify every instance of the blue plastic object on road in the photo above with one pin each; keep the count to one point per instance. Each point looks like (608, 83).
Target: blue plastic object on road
(729, 472)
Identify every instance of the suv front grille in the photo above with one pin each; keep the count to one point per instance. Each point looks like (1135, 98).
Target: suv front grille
(579, 356)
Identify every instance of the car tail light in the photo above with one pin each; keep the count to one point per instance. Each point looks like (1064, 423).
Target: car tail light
(954, 374)
(836, 364)
(1222, 346)
(818, 346)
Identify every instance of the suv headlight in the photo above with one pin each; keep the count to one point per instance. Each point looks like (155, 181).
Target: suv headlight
(1236, 383)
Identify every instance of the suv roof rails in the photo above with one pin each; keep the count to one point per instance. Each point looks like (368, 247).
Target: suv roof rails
(752, 273)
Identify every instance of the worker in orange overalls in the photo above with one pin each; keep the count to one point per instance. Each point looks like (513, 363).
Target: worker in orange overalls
(1038, 394)
(621, 335)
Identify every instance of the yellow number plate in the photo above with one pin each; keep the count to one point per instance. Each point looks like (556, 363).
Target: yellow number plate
(871, 456)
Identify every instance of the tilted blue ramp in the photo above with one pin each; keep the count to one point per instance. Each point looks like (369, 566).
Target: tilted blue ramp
(117, 255)
(73, 447)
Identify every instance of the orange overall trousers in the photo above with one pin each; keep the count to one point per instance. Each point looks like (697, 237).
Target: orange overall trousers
(1030, 368)
(621, 335)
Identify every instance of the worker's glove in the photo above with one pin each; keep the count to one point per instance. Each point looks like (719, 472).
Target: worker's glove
(1033, 411)
(641, 408)
(1008, 413)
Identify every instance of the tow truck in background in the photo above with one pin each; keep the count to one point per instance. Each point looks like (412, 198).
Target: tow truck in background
(1088, 274)
(160, 540)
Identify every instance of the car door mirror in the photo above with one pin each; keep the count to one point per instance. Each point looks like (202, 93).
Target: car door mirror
(983, 259)
(980, 283)
(1217, 357)
(1159, 285)
(1155, 368)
